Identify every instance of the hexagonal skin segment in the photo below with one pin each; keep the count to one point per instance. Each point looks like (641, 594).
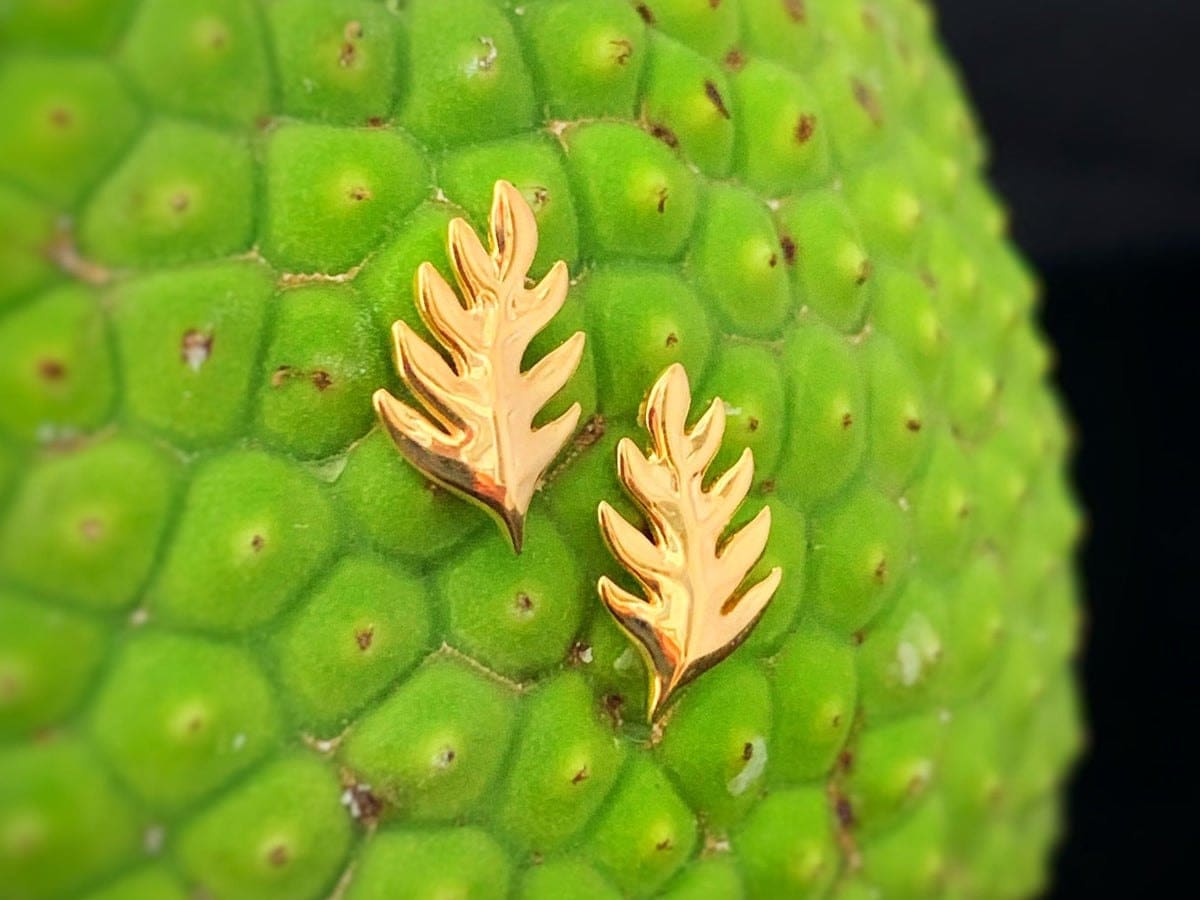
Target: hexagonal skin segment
(447, 862)
(433, 747)
(254, 528)
(362, 628)
(81, 529)
(281, 834)
(178, 717)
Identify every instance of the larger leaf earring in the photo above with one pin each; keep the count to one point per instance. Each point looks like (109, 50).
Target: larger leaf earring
(693, 614)
(478, 438)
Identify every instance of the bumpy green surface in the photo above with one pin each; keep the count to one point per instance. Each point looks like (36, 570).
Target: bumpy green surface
(245, 651)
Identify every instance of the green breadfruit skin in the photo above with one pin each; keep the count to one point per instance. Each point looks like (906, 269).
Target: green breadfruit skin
(246, 650)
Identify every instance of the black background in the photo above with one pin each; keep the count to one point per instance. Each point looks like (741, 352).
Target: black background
(1090, 107)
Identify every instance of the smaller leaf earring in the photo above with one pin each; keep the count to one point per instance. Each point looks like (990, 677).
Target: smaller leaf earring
(478, 438)
(692, 616)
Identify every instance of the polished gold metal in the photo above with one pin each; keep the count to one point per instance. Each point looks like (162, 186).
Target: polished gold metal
(692, 616)
(478, 439)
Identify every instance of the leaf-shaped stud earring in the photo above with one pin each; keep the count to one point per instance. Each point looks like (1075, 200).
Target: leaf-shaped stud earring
(478, 438)
(692, 616)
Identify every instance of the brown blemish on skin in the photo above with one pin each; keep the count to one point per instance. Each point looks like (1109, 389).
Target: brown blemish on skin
(363, 638)
(278, 855)
(321, 380)
(768, 486)
(445, 757)
(280, 375)
(52, 369)
(714, 95)
(60, 118)
(195, 348)
(360, 193)
(795, 10)
(865, 269)
(664, 134)
(581, 775)
(773, 261)
(644, 11)
(881, 571)
(752, 423)
(91, 529)
(734, 59)
(663, 193)
(805, 126)
(613, 703)
(664, 844)
(257, 542)
(789, 249)
(624, 50)
(747, 751)
(375, 122)
(845, 812)
(913, 424)
(524, 602)
(847, 420)
(865, 97)
(353, 30)
(672, 340)
(348, 54)
(180, 201)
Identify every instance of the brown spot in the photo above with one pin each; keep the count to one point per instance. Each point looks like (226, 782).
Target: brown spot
(672, 340)
(664, 844)
(768, 486)
(52, 369)
(752, 423)
(257, 542)
(363, 638)
(847, 420)
(321, 380)
(735, 59)
(280, 375)
(624, 50)
(581, 775)
(219, 39)
(795, 10)
(664, 134)
(353, 30)
(644, 11)
(773, 261)
(360, 193)
(363, 804)
(858, 637)
(445, 757)
(846, 760)
(836, 720)
(278, 855)
(870, 19)
(747, 751)
(180, 201)
(713, 4)
(91, 529)
(524, 602)
(805, 126)
(376, 121)
(789, 249)
(927, 277)
(347, 54)
(60, 118)
(864, 272)
(881, 571)
(964, 511)
(613, 704)
(845, 812)
(714, 95)
(541, 196)
(195, 723)
(865, 97)
(580, 653)
(913, 424)
(195, 348)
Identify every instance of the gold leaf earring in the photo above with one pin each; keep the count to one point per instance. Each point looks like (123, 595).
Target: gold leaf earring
(478, 438)
(692, 615)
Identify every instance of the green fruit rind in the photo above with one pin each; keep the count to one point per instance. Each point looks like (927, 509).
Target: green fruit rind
(246, 650)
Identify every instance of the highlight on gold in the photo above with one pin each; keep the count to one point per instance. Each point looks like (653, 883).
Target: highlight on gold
(693, 614)
(477, 436)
